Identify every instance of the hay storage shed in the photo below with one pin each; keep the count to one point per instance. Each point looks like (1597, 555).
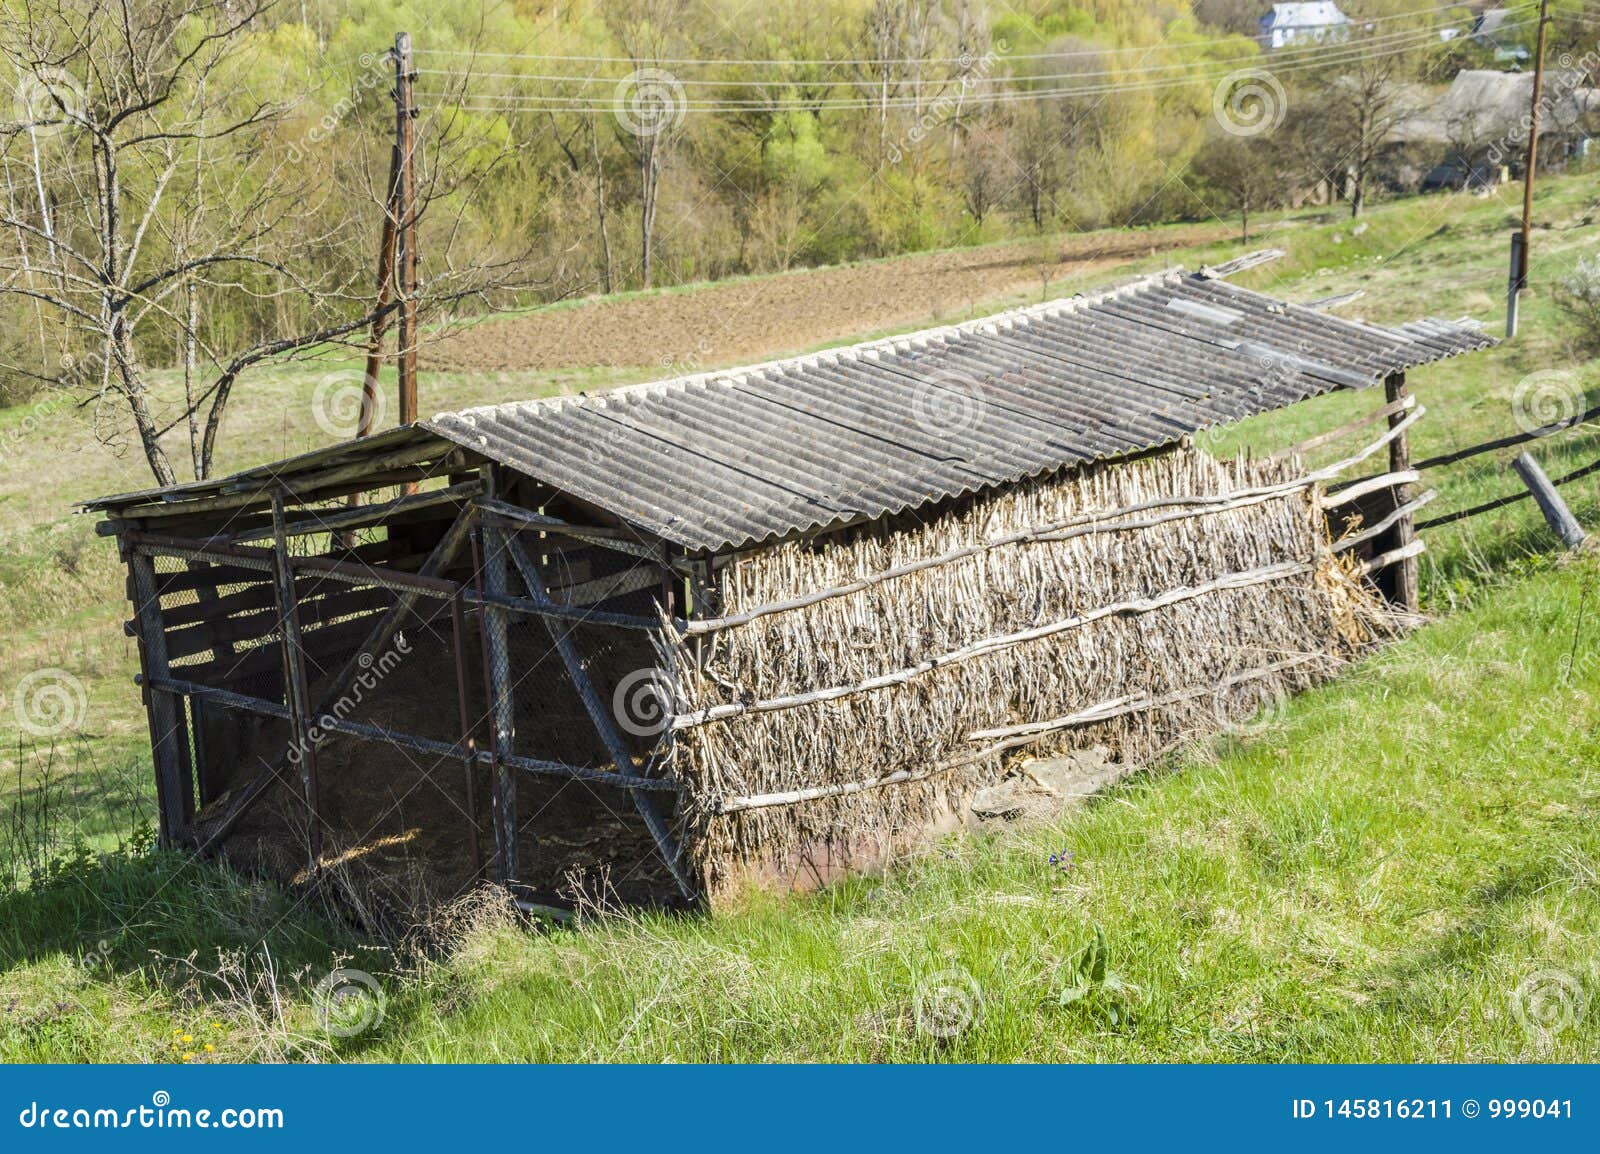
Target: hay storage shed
(775, 621)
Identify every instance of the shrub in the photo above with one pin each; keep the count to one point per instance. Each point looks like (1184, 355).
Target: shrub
(1579, 298)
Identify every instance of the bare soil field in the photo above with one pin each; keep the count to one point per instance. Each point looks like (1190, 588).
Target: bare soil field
(762, 316)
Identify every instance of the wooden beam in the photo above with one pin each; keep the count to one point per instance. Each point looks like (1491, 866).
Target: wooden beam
(362, 516)
(1555, 510)
(164, 709)
(1405, 577)
(261, 707)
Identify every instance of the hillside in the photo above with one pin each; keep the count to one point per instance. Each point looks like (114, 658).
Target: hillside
(1394, 867)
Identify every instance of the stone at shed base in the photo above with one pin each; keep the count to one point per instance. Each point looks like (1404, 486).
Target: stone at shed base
(1041, 788)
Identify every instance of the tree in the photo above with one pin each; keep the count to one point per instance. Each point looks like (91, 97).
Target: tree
(184, 184)
(650, 104)
(1239, 174)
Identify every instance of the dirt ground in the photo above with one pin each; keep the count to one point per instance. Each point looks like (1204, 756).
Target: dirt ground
(683, 332)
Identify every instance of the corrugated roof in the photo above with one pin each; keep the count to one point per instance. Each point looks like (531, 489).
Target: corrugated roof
(725, 460)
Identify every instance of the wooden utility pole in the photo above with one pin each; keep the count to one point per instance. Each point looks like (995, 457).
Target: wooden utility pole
(1533, 145)
(405, 216)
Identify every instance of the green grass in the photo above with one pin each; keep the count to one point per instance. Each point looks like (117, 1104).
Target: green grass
(1374, 877)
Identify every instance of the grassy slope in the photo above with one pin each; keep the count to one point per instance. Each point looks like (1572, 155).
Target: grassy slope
(1275, 930)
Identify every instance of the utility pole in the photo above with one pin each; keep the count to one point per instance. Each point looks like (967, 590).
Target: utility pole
(405, 216)
(397, 266)
(1533, 146)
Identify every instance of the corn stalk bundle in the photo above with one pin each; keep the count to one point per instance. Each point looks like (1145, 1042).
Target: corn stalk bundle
(1065, 619)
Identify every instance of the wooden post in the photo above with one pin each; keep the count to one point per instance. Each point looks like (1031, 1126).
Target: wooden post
(164, 708)
(297, 694)
(1549, 501)
(497, 679)
(1533, 143)
(405, 218)
(1405, 572)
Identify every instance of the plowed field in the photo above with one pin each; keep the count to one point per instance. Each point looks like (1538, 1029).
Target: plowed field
(757, 317)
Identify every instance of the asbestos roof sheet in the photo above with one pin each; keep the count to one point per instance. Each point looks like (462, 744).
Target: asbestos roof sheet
(729, 459)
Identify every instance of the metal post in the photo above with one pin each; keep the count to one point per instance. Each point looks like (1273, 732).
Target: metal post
(1405, 572)
(1514, 284)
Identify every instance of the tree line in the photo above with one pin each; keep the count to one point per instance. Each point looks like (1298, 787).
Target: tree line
(193, 188)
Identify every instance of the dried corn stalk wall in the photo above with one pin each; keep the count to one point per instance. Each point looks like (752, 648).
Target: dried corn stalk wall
(1299, 626)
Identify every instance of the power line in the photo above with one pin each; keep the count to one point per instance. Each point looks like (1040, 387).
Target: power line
(537, 102)
(825, 62)
(1411, 38)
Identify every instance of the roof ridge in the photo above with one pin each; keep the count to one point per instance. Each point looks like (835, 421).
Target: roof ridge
(895, 343)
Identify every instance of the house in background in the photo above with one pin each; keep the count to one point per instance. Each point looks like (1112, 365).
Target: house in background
(1474, 132)
(1495, 28)
(1318, 22)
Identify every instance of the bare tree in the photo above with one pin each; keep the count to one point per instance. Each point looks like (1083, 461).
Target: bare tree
(1239, 174)
(650, 104)
(1361, 107)
(176, 183)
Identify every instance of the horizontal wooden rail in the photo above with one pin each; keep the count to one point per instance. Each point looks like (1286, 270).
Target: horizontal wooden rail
(1383, 526)
(1384, 560)
(1502, 502)
(1354, 426)
(988, 645)
(440, 588)
(1010, 737)
(1508, 442)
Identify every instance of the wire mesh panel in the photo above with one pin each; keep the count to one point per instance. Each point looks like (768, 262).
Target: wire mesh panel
(575, 835)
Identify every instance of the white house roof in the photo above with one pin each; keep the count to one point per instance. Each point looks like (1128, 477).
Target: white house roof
(1316, 14)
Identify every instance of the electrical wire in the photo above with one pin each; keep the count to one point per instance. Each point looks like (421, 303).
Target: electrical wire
(536, 102)
(720, 62)
(1411, 39)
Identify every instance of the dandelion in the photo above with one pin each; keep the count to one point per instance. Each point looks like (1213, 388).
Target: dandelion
(210, 1049)
(189, 1057)
(188, 1037)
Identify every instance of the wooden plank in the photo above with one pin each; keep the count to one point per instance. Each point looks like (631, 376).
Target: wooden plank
(165, 709)
(253, 626)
